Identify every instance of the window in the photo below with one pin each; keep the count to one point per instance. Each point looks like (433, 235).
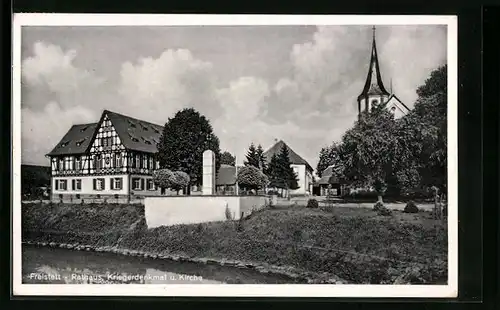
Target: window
(78, 163)
(151, 185)
(117, 183)
(150, 166)
(61, 164)
(118, 160)
(138, 162)
(76, 184)
(105, 142)
(63, 185)
(138, 184)
(97, 162)
(99, 184)
(144, 161)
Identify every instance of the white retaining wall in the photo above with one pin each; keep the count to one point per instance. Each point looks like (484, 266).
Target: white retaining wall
(173, 210)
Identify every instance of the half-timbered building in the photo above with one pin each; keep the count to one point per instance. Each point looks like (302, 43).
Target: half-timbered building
(113, 158)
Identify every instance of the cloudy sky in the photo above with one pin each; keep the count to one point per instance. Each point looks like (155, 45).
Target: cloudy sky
(254, 83)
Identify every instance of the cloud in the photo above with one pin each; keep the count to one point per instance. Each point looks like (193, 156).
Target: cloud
(43, 129)
(309, 106)
(173, 81)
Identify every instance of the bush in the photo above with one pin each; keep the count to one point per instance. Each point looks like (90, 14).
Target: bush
(250, 177)
(312, 203)
(384, 211)
(411, 207)
(378, 206)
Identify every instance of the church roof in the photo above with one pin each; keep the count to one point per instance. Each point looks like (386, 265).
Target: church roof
(135, 134)
(295, 158)
(403, 106)
(373, 83)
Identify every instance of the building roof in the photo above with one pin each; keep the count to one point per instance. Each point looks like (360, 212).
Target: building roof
(295, 158)
(135, 134)
(328, 176)
(226, 175)
(76, 140)
(373, 84)
(404, 108)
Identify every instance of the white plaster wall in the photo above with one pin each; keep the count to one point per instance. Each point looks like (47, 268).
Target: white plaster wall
(174, 210)
(248, 203)
(302, 179)
(88, 187)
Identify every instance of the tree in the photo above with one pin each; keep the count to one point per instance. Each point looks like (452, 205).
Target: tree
(285, 169)
(328, 156)
(227, 158)
(184, 139)
(180, 181)
(252, 158)
(261, 158)
(250, 177)
(163, 178)
(367, 151)
(274, 173)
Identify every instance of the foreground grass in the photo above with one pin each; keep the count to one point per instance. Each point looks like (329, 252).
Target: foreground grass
(352, 243)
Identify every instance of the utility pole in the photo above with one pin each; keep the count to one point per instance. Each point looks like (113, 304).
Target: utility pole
(236, 174)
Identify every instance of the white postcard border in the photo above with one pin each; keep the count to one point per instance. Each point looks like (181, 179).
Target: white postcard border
(238, 290)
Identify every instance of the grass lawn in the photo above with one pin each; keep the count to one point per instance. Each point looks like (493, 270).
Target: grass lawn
(352, 243)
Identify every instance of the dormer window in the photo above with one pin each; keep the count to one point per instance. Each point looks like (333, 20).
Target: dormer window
(79, 142)
(144, 127)
(133, 138)
(84, 128)
(64, 144)
(132, 124)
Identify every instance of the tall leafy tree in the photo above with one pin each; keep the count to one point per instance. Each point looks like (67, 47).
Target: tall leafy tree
(184, 139)
(328, 156)
(367, 151)
(227, 158)
(252, 158)
(261, 157)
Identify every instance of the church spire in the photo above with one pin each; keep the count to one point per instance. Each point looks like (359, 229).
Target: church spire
(373, 84)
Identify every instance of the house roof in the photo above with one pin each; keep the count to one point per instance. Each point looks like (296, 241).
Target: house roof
(135, 134)
(76, 140)
(328, 176)
(226, 175)
(295, 158)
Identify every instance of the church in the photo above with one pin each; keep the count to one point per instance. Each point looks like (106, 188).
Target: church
(374, 92)
(112, 159)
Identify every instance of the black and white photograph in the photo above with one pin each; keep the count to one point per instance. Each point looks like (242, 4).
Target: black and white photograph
(205, 155)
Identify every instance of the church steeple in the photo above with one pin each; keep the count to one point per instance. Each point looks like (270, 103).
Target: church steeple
(374, 90)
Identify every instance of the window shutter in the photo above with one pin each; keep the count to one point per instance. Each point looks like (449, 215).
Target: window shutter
(57, 185)
(112, 183)
(73, 186)
(95, 183)
(142, 184)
